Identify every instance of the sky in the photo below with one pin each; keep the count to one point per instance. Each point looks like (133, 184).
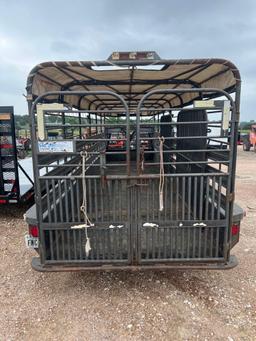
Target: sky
(35, 31)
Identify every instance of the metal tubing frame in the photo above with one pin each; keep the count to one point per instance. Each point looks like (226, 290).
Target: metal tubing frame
(206, 90)
(10, 110)
(32, 110)
(234, 120)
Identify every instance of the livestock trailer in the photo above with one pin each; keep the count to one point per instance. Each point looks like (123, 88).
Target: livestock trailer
(173, 210)
(16, 184)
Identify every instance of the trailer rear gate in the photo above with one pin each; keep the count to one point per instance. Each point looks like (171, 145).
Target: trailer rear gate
(16, 176)
(9, 179)
(123, 197)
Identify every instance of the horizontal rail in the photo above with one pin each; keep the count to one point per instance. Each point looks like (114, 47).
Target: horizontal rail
(134, 177)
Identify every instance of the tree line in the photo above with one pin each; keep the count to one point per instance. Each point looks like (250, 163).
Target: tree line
(22, 122)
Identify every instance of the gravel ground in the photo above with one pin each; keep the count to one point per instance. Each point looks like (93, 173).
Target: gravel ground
(170, 305)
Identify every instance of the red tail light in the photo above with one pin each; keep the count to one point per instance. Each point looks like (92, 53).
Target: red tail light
(2, 201)
(33, 231)
(6, 146)
(235, 229)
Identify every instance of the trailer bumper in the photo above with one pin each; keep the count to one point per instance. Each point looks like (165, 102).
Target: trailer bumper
(36, 265)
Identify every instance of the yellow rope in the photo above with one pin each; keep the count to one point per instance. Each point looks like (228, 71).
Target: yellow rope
(83, 207)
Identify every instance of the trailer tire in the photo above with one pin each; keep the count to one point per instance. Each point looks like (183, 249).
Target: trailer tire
(194, 129)
(246, 147)
(21, 154)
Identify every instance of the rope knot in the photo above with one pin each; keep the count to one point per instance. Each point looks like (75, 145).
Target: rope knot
(161, 139)
(84, 153)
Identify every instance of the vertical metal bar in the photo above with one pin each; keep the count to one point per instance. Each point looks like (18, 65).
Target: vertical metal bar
(72, 201)
(63, 245)
(158, 211)
(200, 241)
(66, 201)
(114, 243)
(189, 198)
(171, 200)
(213, 197)
(176, 243)
(54, 201)
(78, 201)
(188, 242)
(211, 242)
(109, 243)
(90, 122)
(194, 243)
(48, 201)
(75, 244)
(164, 242)
(108, 201)
(183, 199)
(96, 199)
(153, 243)
(201, 198)
(57, 244)
(103, 237)
(97, 242)
(171, 241)
(207, 198)
(177, 198)
(195, 198)
(51, 245)
(96, 123)
(80, 123)
(219, 197)
(158, 232)
(217, 242)
(147, 243)
(114, 197)
(89, 196)
(80, 244)
(68, 240)
(101, 201)
(60, 201)
(153, 198)
(120, 243)
(205, 241)
(182, 242)
(165, 197)
(128, 163)
(63, 125)
(120, 199)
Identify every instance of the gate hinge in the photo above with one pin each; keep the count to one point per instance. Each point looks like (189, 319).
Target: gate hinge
(231, 197)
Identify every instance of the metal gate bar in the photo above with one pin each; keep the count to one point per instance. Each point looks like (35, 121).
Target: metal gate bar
(120, 204)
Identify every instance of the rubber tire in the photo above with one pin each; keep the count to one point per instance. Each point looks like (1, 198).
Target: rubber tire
(246, 147)
(192, 130)
(21, 154)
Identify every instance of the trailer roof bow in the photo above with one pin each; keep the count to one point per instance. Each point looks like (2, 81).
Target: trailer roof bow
(131, 75)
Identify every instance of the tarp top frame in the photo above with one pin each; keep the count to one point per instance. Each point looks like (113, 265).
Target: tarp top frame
(132, 79)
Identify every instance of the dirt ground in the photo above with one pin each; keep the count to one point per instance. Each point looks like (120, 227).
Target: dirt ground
(170, 305)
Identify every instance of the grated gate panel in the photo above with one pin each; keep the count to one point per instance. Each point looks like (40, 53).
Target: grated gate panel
(9, 182)
(123, 192)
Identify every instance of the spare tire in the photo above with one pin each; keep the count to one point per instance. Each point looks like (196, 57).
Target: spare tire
(166, 130)
(190, 130)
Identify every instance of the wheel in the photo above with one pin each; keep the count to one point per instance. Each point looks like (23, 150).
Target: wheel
(21, 154)
(246, 147)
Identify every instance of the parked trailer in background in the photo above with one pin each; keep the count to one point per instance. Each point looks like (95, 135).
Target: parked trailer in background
(16, 184)
(101, 203)
(249, 140)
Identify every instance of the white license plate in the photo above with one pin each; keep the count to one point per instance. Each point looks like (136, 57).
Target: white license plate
(31, 242)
